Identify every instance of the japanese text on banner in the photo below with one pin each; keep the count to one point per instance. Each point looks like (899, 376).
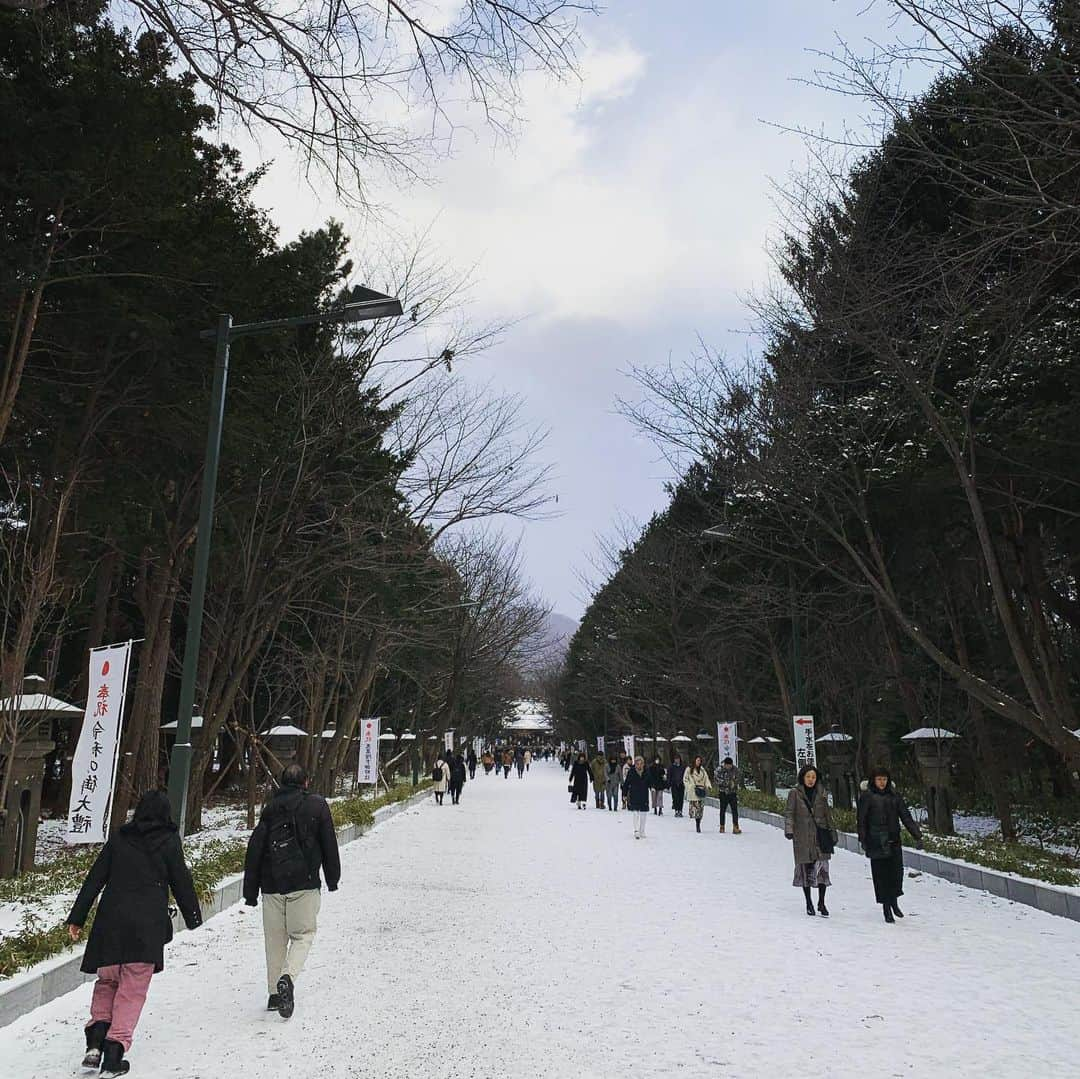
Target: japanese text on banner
(805, 747)
(727, 742)
(368, 771)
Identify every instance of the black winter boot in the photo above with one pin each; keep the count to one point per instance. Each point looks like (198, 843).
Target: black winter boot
(887, 908)
(286, 1000)
(95, 1039)
(698, 823)
(809, 902)
(113, 1062)
(896, 910)
(821, 908)
(273, 1002)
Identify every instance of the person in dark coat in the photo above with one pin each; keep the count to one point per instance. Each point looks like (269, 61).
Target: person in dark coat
(470, 760)
(138, 866)
(579, 781)
(808, 824)
(675, 780)
(457, 778)
(294, 838)
(657, 783)
(636, 787)
(881, 811)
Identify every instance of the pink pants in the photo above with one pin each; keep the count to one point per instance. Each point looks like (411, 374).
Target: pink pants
(119, 996)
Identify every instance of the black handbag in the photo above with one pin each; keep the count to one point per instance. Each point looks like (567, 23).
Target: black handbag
(826, 840)
(699, 793)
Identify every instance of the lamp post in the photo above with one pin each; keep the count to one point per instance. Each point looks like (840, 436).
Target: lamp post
(367, 304)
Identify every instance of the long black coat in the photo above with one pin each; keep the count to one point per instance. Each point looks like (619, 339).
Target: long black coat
(137, 867)
(457, 772)
(318, 841)
(880, 816)
(579, 777)
(636, 789)
(657, 776)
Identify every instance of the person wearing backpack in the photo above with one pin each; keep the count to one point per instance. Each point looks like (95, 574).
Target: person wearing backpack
(293, 840)
(138, 866)
(440, 776)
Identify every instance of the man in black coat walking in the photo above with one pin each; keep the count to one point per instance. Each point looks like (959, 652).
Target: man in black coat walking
(294, 838)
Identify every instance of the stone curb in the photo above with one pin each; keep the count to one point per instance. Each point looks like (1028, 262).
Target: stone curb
(54, 977)
(1048, 898)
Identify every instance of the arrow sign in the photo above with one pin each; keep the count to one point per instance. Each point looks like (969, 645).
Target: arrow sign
(805, 749)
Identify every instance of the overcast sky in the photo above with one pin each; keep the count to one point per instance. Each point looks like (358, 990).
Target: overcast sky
(629, 216)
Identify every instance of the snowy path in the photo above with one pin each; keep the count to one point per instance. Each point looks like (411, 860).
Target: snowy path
(513, 937)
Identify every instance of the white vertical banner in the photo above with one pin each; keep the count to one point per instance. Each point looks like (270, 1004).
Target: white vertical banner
(727, 742)
(478, 746)
(93, 768)
(581, 745)
(599, 743)
(368, 770)
(628, 745)
(448, 741)
(805, 748)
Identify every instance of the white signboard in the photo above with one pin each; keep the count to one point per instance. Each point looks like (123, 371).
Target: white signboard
(478, 746)
(599, 743)
(93, 768)
(368, 771)
(581, 745)
(805, 750)
(727, 742)
(628, 745)
(448, 741)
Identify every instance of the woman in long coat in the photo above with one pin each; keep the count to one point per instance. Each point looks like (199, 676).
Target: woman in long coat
(612, 782)
(881, 811)
(808, 824)
(636, 788)
(142, 861)
(698, 785)
(579, 781)
(441, 775)
(598, 769)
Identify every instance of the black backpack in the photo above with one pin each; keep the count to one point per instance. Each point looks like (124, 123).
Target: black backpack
(436, 773)
(288, 862)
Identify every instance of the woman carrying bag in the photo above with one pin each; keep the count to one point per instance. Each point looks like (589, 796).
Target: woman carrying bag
(579, 781)
(137, 867)
(698, 785)
(808, 824)
(881, 811)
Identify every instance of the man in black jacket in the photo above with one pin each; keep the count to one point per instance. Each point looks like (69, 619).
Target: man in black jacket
(295, 837)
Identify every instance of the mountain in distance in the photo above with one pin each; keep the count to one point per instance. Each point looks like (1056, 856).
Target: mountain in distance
(551, 641)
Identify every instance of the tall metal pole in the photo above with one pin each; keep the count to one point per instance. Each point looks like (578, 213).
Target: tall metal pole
(180, 761)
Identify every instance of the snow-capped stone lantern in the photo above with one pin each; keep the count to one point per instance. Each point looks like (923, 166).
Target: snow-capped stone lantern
(764, 758)
(933, 750)
(283, 740)
(839, 752)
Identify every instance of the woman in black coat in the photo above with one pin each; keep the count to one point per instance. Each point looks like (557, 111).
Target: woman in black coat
(457, 778)
(636, 787)
(657, 783)
(137, 867)
(579, 781)
(881, 811)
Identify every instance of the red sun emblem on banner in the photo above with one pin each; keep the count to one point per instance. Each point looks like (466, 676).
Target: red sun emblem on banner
(104, 668)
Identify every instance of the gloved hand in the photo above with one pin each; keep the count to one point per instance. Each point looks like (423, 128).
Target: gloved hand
(788, 835)
(250, 902)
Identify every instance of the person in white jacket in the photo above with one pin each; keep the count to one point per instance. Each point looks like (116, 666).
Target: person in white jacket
(698, 786)
(441, 775)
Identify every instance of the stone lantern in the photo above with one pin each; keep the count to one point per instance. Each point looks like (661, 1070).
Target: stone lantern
(839, 754)
(764, 757)
(30, 715)
(933, 750)
(283, 740)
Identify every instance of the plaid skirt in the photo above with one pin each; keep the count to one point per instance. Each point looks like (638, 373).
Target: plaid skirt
(695, 809)
(812, 874)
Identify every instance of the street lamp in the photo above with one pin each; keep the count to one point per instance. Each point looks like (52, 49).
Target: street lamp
(366, 304)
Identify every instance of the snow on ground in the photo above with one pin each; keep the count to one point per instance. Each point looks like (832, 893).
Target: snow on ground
(513, 936)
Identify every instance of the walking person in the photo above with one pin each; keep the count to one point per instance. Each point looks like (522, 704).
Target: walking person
(598, 772)
(293, 841)
(440, 776)
(457, 778)
(657, 783)
(881, 812)
(728, 781)
(636, 787)
(528, 758)
(697, 783)
(579, 781)
(676, 777)
(612, 783)
(507, 762)
(519, 762)
(141, 862)
(808, 824)
(470, 760)
(625, 768)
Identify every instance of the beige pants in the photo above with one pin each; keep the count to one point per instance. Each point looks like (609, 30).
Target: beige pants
(289, 924)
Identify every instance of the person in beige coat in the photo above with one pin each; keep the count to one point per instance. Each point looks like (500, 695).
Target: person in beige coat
(808, 824)
(698, 786)
(441, 775)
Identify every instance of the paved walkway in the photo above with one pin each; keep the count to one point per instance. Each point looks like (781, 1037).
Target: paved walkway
(514, 937)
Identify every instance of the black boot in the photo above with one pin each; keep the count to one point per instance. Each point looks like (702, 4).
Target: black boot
(887, 908)
(896, 910)
(809, 902)
(95, 1039)
(286, 1000)
(113, 1062)
(821, 908)
(698, 824)
(273, 1002)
